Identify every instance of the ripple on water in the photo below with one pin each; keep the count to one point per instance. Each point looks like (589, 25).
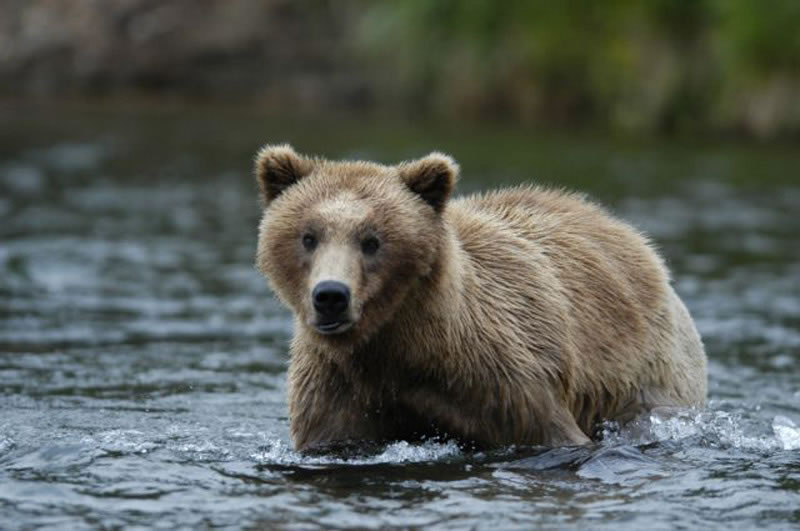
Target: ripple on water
(143, 373)
(6, 445)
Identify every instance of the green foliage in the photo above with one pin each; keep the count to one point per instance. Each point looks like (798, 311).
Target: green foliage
(658, 65)
(762, 37)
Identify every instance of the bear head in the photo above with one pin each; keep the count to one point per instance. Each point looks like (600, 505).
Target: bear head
(342, 243)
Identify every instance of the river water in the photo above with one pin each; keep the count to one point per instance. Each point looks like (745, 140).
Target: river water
(143, 359)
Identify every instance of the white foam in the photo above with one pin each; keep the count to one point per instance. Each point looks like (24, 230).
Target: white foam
(276, 451)
(718, 429)
(122, 442)
(786, 432)
(201, 451)
(404, 452)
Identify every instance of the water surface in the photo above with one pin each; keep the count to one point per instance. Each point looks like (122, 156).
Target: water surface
(143, 359)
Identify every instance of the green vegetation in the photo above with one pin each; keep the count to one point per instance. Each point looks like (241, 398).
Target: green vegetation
(708, 67)
(660, 65)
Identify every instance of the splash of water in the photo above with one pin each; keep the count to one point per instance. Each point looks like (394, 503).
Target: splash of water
(786, 432)
(713, 429)
(278, 452)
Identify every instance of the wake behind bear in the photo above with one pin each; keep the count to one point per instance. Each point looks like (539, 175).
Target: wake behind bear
(521, 316)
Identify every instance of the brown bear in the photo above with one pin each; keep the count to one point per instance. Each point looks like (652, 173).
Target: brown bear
(520, 316)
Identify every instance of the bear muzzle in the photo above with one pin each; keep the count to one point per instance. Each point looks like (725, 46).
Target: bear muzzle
(331, 301)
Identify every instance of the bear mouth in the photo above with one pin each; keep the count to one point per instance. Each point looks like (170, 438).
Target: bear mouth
(333, 327)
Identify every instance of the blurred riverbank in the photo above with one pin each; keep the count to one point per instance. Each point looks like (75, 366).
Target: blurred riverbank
(709, 67)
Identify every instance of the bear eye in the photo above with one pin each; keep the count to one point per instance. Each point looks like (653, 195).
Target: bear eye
(369, 245)
(309, 241)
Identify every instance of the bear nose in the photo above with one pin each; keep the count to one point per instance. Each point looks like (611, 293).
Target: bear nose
(330, 298)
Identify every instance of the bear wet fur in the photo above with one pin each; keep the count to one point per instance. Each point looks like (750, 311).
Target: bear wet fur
(520, 316)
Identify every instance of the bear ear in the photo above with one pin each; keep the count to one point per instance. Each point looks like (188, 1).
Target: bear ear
(433, 177)
(277, 167)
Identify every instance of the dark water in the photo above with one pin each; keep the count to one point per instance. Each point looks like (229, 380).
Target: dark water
(143, 360)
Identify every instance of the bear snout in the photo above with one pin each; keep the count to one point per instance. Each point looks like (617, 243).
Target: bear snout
(331, 300)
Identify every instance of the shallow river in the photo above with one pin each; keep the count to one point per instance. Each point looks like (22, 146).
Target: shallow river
(143, 359)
